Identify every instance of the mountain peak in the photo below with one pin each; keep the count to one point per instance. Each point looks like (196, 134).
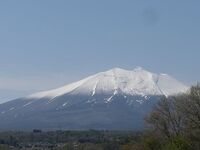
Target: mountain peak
(129, 82)
(117, 69)
(138, 68)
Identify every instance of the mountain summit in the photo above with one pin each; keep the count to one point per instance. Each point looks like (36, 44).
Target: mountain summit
(117, 80)
(116, 99)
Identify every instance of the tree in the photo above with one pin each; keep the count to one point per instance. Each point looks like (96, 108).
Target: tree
(189, 105)
(166, 119)
(177, 118)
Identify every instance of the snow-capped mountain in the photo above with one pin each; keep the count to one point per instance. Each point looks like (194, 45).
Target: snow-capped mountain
(127, 82)
(115, 99)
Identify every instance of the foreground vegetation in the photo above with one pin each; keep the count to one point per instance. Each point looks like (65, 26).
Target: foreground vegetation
(67, 140)
(173, 124)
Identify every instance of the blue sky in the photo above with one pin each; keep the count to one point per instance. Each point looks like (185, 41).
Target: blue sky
(47, 43)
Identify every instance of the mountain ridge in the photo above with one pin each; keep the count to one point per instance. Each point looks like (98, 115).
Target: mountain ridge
(115, 73)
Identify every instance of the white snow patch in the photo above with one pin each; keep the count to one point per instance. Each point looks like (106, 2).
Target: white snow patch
(27, 104)
(94, 88)
(109, 99)
(11, 108)
(65, 104)
(170, 86)
(140, 101)
(50, 100)
(115, 92)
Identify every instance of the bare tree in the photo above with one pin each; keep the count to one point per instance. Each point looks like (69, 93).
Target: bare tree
(166, 119)
(190, 107)
(178, 116)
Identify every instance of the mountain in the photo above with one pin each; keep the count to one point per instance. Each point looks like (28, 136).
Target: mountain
(117, 99)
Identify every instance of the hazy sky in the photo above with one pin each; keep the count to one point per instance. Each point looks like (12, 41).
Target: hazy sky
(48, 43)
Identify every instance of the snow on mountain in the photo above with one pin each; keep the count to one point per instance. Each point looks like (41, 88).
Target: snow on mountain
(114, 81)
(117, 99)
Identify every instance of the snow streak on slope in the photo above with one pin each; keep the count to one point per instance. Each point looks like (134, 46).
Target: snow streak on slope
(120, 81)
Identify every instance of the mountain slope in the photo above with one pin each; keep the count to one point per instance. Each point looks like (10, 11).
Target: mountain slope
(115, 99)
(136, 82)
